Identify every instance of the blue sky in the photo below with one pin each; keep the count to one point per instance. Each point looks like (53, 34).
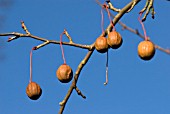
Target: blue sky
(135, 86)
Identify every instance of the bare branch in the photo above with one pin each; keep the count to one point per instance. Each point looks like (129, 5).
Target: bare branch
(148, 7)
(133, 5)
(41, 45)
(20, 35)
(110, 6)
(73, 85)
(68, 36)
(79, 92)
(24, 27)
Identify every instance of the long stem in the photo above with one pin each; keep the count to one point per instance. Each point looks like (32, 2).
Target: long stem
(62, 50)
(107, 64)
(108, 12)
(102, 21)
(31, 65)
(143, 27)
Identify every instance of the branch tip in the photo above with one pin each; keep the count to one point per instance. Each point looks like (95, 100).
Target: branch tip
(80, 93)
(34, 48)
(24, 27)
(12, 38)
(62, 103)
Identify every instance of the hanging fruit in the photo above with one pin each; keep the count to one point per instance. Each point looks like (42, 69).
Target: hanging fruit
(146, 50)
(101, 44)
(33, 91)
(114, 39)
(64, 73)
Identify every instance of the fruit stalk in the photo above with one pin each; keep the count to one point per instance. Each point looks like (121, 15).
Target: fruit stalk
(31, 66)
(143, 27)
(62, 50)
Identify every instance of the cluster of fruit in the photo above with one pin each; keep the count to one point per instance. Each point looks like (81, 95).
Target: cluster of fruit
(64, 73)
(114, 41)
(146, 48)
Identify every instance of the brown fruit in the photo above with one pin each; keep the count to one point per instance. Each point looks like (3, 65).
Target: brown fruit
(33, 91)
(64, 73)
(101, 44)
(114, 40)
(146, 50)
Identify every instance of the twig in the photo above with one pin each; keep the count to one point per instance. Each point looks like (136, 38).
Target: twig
(148, 7)
(73, 85)
(79, 92)
(68, 36)
(41, 45)
(24, 27)
(16, 35)
(110, 6)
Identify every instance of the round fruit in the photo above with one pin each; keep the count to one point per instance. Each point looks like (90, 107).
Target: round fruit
(101, 44)
(64, 73)
(114, 40)
(146, 50)
(33, 91)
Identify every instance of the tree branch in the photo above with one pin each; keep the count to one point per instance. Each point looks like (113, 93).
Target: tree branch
(16, 35)
(85, 60)
(73, 85)
(148, 7)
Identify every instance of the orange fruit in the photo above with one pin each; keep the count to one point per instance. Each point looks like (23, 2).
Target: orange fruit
(101, 44)
(33, 91)
(64, 73)
(114, 40)
(146, 50)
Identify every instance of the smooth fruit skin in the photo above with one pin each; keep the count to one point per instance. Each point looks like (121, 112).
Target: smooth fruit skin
(114, 40)
(146, 50)
(101, 44)
(64, 73)
(33, 91)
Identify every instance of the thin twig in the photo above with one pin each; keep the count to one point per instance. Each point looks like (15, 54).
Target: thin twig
(73, 85)
(16, 35)
(68, 36)
(79, 92)
(148, 7)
